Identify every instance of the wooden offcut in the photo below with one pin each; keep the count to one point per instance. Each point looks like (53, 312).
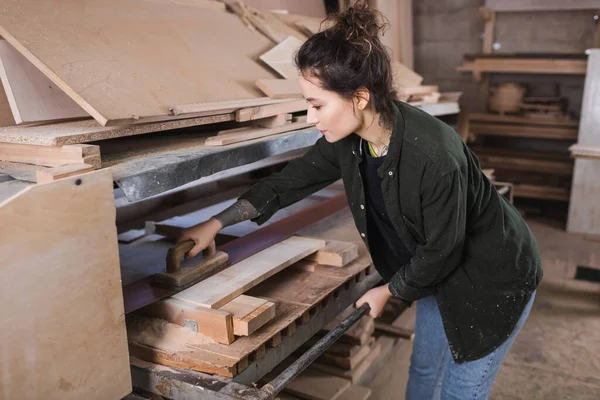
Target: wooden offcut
(126, 61)
(31, 95)
(64, 335)
(51, 156)
(248, 324)
(254, 113)
(219, 289)
(249, 133)
(336, 253)
(280, 88)
(281, 57)
(51, 174)
(216, 324)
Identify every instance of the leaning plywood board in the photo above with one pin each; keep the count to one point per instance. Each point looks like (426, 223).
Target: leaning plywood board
(130, 60)
(55, 347)
(31, 95)
(219, 289)
(6, 117)
(281, 57)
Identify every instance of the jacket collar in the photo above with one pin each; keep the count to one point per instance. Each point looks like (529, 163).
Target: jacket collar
(395, 147)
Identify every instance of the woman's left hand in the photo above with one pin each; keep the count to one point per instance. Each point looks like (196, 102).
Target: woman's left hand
(377, 298)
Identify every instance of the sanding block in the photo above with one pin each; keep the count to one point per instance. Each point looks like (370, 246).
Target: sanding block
(197, 268)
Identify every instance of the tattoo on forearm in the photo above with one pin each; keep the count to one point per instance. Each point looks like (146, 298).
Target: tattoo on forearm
(241, 210)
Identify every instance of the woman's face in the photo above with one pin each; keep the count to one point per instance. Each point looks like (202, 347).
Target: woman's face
(334, 116)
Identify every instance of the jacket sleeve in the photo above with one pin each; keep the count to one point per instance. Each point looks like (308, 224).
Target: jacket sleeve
(444, 221)
(318, 168)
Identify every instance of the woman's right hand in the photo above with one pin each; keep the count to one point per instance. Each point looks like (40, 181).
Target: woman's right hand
(202, 234)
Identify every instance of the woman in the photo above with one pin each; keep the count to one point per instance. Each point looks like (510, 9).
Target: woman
(436, 228)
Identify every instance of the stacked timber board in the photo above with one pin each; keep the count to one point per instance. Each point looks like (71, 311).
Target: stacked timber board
(160, 333)
(100, 65)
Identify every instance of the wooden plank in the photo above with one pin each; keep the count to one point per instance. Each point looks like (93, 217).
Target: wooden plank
(346, 363)
(75, 132)
(155, 340)
(313, 385)
(541, 192)
(253, 113)
(31, 95)
(219, 289)
(78, 353)
(51, 156)
(564, 168)
(537, 5)
(6, 116)
(353, 375)
(483, 117)
(280, 88)
(405, 32)
(216, 324)
(250, 323)
(244, 134)
(104, 56)
(523, 131)
(336, 253)
(203, 109)
(280, 57)
(533, 66)
(64, 171)
(589, 129)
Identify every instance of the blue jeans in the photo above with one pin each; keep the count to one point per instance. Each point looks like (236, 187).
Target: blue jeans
(433, 373)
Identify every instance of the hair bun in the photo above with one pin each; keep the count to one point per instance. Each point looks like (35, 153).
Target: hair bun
(359, 25)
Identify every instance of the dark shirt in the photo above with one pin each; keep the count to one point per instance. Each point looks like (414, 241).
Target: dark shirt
(383, 238)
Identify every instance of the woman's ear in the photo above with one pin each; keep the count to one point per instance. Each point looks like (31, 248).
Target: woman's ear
(361, 98)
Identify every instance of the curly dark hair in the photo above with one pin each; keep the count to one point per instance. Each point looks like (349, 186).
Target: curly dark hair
(348, 55)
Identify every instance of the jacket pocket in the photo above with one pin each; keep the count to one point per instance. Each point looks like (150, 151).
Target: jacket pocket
(417, 230)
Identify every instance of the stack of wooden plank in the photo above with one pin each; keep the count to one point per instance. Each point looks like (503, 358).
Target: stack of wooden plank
(125, 77)
(536, 174)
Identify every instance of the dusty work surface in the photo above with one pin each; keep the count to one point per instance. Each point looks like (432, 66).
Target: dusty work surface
(299, 295)
(556, 354)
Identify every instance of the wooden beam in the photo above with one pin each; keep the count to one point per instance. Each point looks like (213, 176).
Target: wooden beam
(51, 156)
(499, 162)
(335, 253)
(249, 324)
(216, 324)
(541, 192)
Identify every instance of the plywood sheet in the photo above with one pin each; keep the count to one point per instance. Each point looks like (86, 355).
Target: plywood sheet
(281, 57)
(130, 60)
(219, 289)
(31, 95)
(52, 346)
(6, 117)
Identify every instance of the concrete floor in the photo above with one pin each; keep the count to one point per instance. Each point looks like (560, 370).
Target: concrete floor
(557, 354)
